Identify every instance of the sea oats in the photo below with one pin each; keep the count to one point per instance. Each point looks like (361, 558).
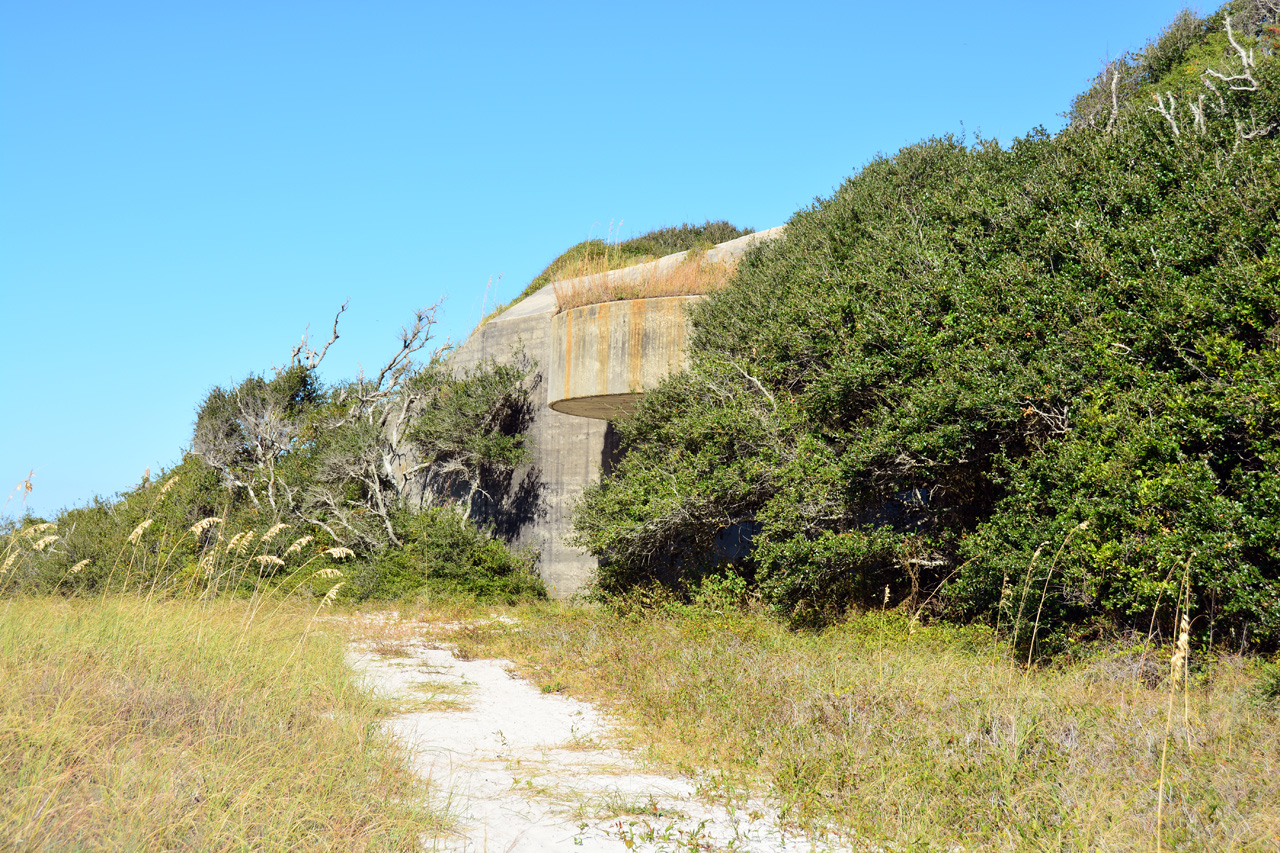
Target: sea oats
(243, 543)
(1177, 664)
(329, 573)
(39, 528)
(235, 541)
(339, 552)
(78, 567)
(167, 486)
(269, 560)
(332, 594)
(8, 562)
(271, 533)
(138, 531)
(298, 545)
(45, 542)
(209, 564)
(204, 524)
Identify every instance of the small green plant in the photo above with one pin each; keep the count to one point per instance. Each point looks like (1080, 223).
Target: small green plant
(1267, 688)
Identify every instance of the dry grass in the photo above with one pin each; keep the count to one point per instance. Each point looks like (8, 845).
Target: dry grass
(135, 725)
(922, 735)
(594, 280)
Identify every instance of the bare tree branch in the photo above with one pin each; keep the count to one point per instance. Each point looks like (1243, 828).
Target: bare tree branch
(304, 356)
(1167, 111)
(1246, 60)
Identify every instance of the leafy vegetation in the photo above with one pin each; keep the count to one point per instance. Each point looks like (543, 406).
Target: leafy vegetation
(989, 380)
(309, 488)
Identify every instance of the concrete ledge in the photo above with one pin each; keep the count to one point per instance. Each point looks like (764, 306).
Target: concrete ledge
(604, 357)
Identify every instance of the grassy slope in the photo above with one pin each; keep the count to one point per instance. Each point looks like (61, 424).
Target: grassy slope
(135, 725)
(921, 735)
(595, 256)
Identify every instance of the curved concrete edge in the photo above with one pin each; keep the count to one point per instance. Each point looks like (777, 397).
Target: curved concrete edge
(604, 407)
(567, 452)
(543, 300)
(603, 356)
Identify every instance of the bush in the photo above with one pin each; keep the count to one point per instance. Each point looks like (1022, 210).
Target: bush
(1042, 372)
(443, 552)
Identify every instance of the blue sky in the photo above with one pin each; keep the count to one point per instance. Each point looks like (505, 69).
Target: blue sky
(185, 187)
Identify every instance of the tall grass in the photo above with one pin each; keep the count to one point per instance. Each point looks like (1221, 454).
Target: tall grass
(595, 279)
(129, 723)
(924, 735)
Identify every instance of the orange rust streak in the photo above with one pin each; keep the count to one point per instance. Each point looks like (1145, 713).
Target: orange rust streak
(602, 325)
(635, 346)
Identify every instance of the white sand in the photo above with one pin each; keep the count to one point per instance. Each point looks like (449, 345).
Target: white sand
(528, 771)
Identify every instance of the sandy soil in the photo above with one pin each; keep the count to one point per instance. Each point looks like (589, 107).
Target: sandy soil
(528, 771)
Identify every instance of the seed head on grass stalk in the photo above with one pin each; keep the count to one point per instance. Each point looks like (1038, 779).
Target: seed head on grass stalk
(37, 529)
(298, 545)
(246, 540)
(1178, 670)
(204, 524)
(169, 484)
(272, 533)
(136, 535)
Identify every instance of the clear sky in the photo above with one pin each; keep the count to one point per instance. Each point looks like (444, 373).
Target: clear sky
(186, 186)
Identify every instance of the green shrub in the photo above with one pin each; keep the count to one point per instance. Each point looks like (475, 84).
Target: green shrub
(1040, 380)
(444, 552)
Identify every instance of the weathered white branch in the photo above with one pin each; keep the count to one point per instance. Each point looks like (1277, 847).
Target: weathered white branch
(1115, 100)
(1167, 112)
(1246, 60)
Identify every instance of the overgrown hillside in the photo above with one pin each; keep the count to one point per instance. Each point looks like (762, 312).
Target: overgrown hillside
(1040, 380)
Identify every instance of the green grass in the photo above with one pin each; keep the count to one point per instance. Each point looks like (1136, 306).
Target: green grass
(135, 725)
(920, 735)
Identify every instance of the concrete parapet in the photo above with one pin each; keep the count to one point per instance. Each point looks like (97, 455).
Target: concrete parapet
(604, 357)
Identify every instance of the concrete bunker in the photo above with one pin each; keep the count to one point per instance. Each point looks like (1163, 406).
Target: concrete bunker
(592, 363)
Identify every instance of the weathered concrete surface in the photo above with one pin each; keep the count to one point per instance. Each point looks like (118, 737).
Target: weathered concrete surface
(568, 452)
(604, 357)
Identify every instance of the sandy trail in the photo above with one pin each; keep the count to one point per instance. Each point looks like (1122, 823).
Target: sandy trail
(528, 771)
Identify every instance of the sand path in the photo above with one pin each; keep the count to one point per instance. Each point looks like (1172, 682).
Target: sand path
(527, 771)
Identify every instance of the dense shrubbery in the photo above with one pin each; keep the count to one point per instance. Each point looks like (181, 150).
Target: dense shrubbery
(293, 483)
(969, 356)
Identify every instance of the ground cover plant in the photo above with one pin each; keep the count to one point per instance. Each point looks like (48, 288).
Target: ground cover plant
(927, 737)
(139, 724)
(976, 368)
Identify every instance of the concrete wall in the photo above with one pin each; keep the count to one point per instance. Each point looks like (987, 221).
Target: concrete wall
(602, 358)
(568, 452)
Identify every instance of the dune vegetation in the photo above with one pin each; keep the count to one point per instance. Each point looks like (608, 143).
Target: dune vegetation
(961, 529)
